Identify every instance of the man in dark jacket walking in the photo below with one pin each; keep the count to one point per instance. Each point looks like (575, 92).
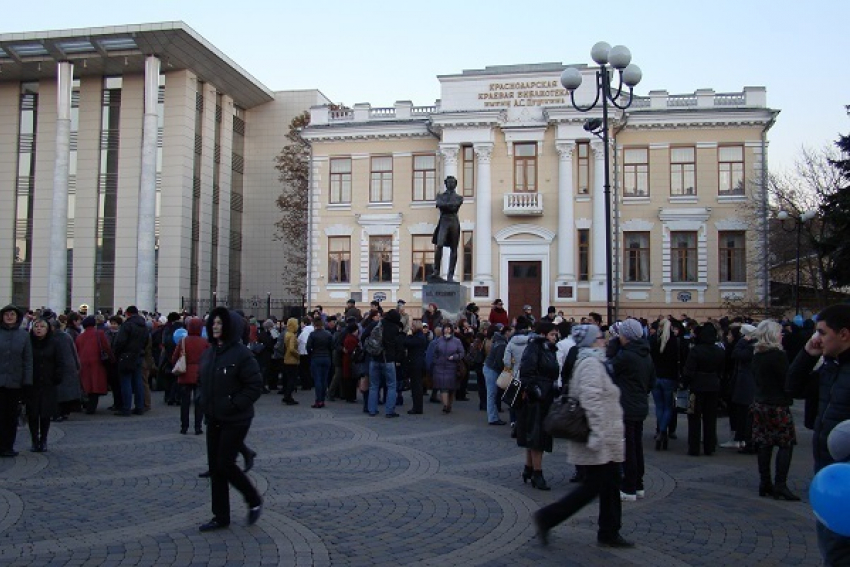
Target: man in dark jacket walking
(15, 372)
(129, 349)
(831, 341)
(230, 384)
(634, 374)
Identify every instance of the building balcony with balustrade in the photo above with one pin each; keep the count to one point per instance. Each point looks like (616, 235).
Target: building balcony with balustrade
(523, 204)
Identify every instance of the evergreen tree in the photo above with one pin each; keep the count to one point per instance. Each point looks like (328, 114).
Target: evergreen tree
(835, 213)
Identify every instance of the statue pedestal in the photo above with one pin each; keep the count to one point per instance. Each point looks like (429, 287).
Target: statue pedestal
(451, 298)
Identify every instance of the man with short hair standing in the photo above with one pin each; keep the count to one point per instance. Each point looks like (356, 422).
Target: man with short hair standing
(129, 349)
(15, 372)
(832, 342)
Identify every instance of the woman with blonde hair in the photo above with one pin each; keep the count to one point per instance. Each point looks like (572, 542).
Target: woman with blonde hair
(664, 348)
(773, 424)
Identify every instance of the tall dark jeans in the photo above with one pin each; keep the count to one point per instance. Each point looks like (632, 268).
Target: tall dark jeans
(8, 418)
(304, 372)
(223, 443)
(633, 468)
(113, 378)
(416, 374)
(132, 388)
(602, 481)
(290, 377)
(189, 396)
(742, 423)
(702, 423)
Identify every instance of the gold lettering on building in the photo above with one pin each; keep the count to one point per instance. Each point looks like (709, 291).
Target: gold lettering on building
(524, 93)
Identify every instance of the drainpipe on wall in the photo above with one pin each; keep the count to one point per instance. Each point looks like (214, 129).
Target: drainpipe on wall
(309, 225)
(765, 182)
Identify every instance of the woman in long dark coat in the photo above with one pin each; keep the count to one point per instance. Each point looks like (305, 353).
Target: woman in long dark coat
(40, 398)
(538, 371)
(448, 354)
(95, 354)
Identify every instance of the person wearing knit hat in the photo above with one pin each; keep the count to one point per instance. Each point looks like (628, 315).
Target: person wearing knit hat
(602, 453)
(747, 330)
(634, 374)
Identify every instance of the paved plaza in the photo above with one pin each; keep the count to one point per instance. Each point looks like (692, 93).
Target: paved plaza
(344, 489)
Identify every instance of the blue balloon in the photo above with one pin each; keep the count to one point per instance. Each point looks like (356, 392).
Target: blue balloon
(829, 495)
(179, 335)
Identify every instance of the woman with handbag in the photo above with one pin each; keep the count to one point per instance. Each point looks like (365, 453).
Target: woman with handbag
(538, 371)
(191, 347)
(447, 359)
(494, 364)
(95, 356)
(602, 454)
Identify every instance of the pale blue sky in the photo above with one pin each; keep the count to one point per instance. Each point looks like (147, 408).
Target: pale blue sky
(379, 52)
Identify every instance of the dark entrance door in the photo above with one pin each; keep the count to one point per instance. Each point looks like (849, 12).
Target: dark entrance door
(524, 285)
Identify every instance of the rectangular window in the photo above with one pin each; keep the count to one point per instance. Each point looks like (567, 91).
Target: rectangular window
(468, 171)
(636, 256)
(466, 239)
(424, 178)
(683, 256)
(423, 258)
(380, 258)
(732, 252)
(682, 171)
(525, 168)
(583, 254)
(340, 191)
(381, 189)
(583, 168)
(730, 163)
(339, 259)
(636, 172)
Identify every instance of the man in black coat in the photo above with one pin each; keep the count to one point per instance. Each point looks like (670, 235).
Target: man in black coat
(634, 374)
(230, 383)
(129, 350)
(703, 369)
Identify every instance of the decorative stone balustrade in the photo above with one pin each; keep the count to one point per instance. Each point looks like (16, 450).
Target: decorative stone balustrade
(523, 204)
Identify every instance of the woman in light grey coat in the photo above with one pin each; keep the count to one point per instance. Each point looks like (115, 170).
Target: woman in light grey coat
(604, 451)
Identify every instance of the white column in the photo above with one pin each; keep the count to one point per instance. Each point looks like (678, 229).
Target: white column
(566, 215)
(146, 258)
(57, 285)
(449, 153)
(598, 268)
(483, 222)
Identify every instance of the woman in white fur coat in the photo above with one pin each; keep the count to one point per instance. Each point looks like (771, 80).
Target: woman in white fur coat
(604, 451)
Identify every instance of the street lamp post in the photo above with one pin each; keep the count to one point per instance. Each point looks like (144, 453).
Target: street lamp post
(799, 221)
(611, 60)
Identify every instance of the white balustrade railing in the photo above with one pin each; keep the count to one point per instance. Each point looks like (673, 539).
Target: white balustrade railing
(523, 204)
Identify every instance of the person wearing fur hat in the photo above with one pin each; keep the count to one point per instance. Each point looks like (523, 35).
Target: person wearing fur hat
(95, 353)
(701, 376)
(16, 372)
(634, 374)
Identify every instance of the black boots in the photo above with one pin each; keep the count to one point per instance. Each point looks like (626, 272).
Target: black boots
(538, 482)
(765, 485)
(783, 463)
(661, 441)
(527, 472)
(779, 490)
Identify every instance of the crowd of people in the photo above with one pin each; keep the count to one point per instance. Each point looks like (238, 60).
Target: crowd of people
(751, 372)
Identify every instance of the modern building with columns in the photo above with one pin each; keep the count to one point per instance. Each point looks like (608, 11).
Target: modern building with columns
(136, 167)
(686, 171)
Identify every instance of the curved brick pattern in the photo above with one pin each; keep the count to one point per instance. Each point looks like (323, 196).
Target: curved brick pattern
(344, 489)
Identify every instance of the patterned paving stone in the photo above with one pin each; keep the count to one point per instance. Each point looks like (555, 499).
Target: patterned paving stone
(344, 489)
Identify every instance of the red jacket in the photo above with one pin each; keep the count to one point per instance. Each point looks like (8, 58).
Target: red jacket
(499, 315)
(194, 346)
(93, 371)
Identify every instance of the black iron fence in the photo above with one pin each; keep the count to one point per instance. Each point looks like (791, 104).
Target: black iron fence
(260, 307)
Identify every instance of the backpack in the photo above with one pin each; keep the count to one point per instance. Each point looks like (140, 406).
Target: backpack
(374, 343)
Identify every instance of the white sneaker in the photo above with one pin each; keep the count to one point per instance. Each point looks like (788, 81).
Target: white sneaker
(628, 497)
(731, 444)
(640, 494)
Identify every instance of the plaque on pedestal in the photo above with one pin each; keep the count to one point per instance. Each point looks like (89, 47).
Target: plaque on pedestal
(451, 299)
